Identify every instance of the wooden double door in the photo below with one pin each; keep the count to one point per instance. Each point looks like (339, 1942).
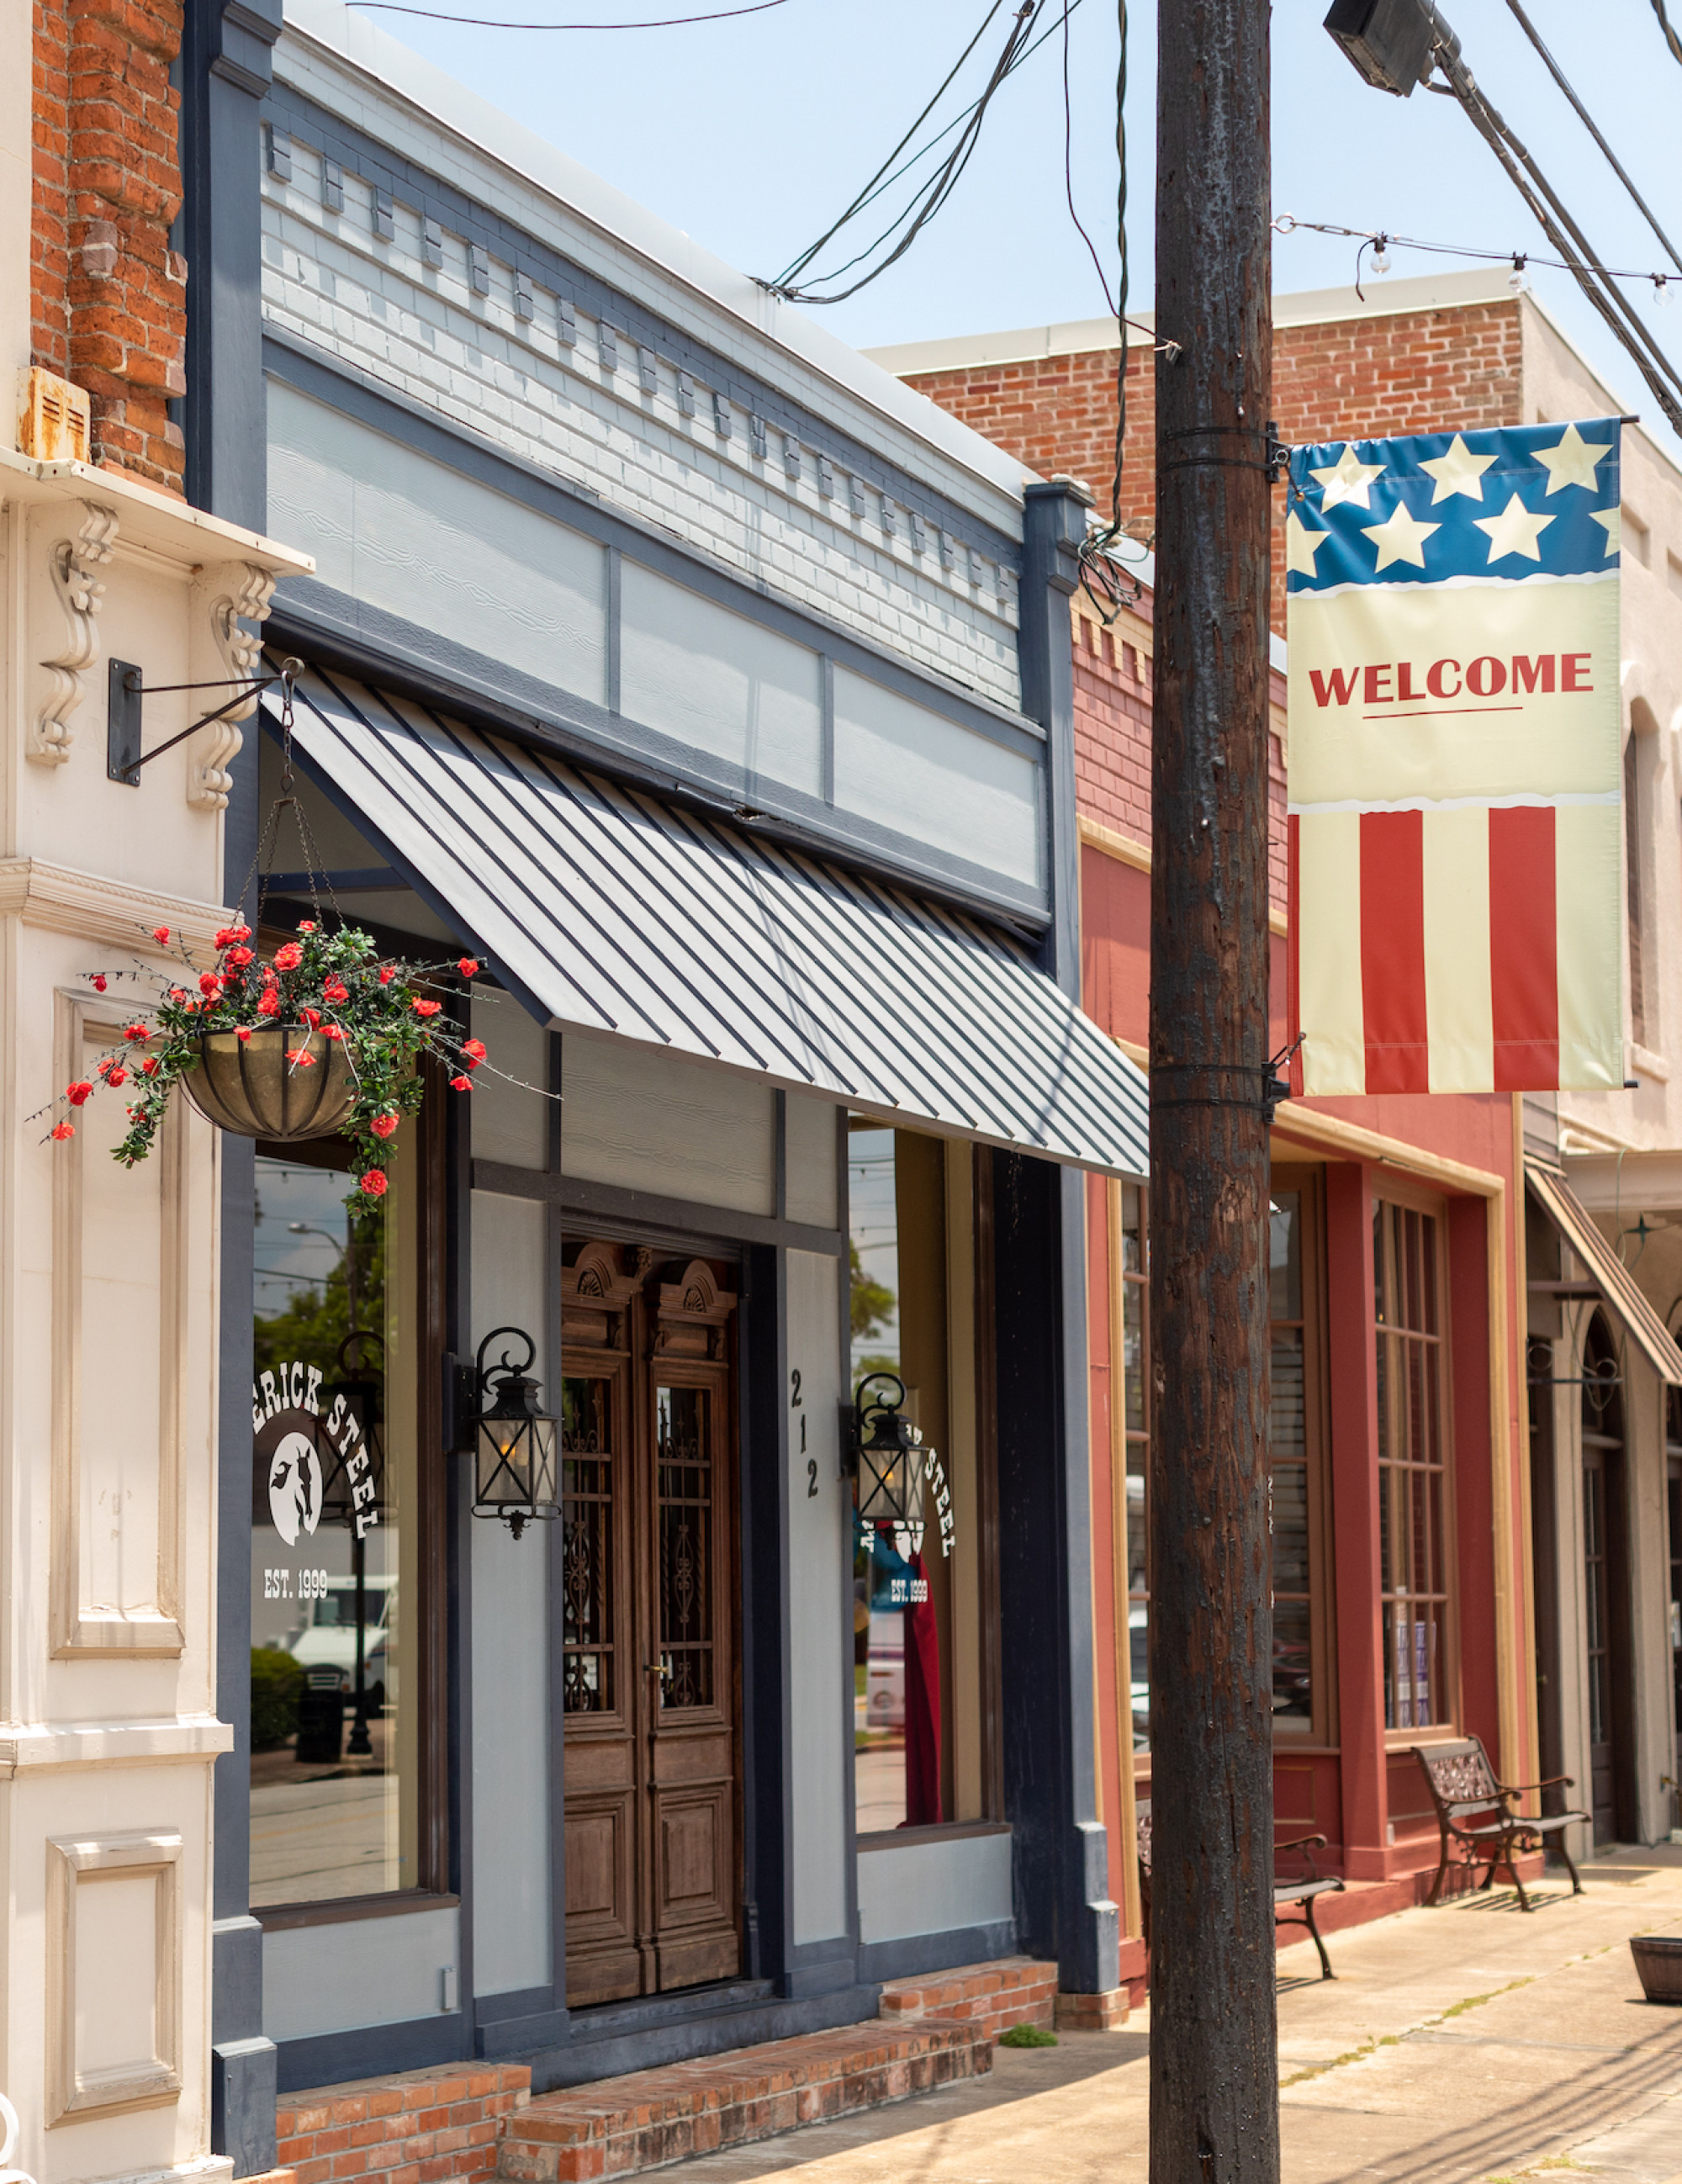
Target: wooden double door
(649, 1664)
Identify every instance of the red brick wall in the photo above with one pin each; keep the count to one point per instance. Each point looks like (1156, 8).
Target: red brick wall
(409, 2129)
(108, 296)
(1417, 372)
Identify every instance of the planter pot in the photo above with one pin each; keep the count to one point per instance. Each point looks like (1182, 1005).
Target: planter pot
(248, 1086)
(1658, 1959)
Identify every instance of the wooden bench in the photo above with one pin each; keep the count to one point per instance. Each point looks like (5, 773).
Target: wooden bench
(1302, 1890)
(1478, 1816)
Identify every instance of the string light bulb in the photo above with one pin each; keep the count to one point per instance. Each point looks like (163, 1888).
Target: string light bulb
(1662, 291)
(1381, 254)
(1518, 280)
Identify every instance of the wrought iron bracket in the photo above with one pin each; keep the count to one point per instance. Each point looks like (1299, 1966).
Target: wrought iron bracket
(126, 689)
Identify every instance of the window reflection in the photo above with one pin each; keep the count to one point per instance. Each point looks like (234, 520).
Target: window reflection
(332, 1759)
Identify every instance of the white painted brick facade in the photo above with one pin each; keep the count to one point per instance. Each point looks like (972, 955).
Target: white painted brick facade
(421, 330)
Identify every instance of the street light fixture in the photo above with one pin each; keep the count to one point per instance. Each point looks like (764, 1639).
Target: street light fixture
(1392, 43)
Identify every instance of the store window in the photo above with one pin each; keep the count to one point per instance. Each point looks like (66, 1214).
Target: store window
(1134, 1276)
(336, 1686)
(1410, 1282)
(1296, 1477)
(920, 1704)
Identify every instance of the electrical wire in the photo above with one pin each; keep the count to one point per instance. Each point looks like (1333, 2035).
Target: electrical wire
(1670, 36)
(1102, 576)
(940, 135)
(479, 23)
(1562, 231)
(1588, 121)
(932, 194)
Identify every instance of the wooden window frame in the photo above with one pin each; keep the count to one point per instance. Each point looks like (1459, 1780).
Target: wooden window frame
(1409, 1198)
(1320, 1733)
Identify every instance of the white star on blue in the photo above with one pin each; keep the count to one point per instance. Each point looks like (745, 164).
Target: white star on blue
(1480, 529)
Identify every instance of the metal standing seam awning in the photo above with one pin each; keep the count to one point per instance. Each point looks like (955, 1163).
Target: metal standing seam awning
(617, 915)
(1606, 1270)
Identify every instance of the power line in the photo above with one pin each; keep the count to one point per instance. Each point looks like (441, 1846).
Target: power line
(479, 23)
(931, 195)
(1588, 121)
(1670, 36)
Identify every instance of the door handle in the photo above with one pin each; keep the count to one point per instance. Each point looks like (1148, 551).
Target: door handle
(656, 1668)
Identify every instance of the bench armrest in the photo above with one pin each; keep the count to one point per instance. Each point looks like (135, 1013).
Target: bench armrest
(1553, 1782)
(1307, 1845)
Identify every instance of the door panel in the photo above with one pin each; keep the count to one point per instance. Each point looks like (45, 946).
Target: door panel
(652, 1798)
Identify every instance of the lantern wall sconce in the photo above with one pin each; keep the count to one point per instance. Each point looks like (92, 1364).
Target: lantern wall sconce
(890, 1462)
(511, 1438)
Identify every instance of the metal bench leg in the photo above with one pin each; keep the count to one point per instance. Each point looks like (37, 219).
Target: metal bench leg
(1326, 1971)
(1570, 1864)
(1436, 1894)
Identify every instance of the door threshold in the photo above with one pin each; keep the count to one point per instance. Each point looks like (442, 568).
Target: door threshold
(644, 2012)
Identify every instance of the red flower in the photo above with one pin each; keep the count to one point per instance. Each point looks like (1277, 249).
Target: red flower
(474, 1049)
(79, 1093)
(312, 1018)
(386, 975)
(238, 958)
(178, 993)
(374, 1182)
(289, 957)
(461, 1084)
(270, 1003)
(427, 1008)
(230, 933)
(306, 925)
(331, 1031)
(300, 1057)
(242, 1033)
(383, 1125)
(117, 1076)
(149, 1067)
(137, 1031)
(160, 934)
(335, 990)
(469, 966)
(63, 1129)
(209, 984)
(104, 1067)
(98, 981)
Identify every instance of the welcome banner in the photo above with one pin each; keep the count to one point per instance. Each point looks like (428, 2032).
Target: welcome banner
(1455, 769)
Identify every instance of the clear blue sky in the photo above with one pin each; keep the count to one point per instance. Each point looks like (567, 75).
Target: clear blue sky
(751, 135)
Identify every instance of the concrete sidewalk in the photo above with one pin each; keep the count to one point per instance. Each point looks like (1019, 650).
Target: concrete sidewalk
(1467, 2045)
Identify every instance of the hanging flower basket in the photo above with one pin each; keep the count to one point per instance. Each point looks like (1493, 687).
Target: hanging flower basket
(251, 1086)
(324, 1038)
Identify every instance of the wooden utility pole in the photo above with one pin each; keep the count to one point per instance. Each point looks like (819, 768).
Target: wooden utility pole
(1214, 2082)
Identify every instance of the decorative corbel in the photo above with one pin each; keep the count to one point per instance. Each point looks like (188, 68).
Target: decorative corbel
(73, 563)
(208, 780)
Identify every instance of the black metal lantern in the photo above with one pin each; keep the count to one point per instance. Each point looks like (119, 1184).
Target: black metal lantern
(514, 1442)
(892, 1461)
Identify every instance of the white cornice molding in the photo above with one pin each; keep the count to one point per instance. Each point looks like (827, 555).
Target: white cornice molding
(62, 900)
(112, 1743)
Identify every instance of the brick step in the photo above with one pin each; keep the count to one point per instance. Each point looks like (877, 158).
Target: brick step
(622, 2126)
(448, 2117)
(992, 1997)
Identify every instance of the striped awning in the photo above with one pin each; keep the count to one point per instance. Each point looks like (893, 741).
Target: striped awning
(1606, 1270)
(617, 916)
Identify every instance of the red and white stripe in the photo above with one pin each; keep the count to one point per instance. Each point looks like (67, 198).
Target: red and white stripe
(1460, 948)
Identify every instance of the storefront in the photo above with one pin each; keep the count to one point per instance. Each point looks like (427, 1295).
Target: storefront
(695, 687)
(707, 1740)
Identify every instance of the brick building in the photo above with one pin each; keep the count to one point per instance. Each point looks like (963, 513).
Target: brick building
(1521, 1641)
